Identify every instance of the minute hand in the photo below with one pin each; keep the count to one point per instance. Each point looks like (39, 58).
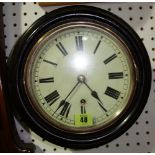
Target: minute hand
(71, 90)
(95, 95)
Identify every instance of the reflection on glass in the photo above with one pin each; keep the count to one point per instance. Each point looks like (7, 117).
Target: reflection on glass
(80, 61)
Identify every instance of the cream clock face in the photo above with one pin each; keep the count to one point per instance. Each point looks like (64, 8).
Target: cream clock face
(80, 78)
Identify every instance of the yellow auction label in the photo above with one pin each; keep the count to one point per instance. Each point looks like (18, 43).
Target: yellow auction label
(83, 120)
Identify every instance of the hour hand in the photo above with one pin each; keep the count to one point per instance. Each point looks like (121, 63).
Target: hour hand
(95, 95)
(82, 79)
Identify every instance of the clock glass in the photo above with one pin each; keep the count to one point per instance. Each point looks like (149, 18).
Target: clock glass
(80, 77)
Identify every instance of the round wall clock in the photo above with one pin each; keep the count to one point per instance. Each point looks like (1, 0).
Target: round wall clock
(79, 76)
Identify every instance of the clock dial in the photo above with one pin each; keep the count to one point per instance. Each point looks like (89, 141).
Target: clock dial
(77, 69)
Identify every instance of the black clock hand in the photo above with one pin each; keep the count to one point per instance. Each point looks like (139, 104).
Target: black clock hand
(95, 95)
(66, 106)
(71, 90)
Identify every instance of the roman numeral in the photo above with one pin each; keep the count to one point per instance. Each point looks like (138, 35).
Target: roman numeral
(46, 80)
(61, 48)
(98, 44)
(112, 93)
(83, 109)
(116, 75)
(110, 59)
(65, 108)
(79, 43)
(50, 62)
(52, 97)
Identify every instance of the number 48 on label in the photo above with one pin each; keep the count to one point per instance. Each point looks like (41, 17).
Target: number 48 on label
(83, 120)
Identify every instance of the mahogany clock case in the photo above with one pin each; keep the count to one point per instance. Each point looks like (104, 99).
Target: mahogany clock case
(17, 59)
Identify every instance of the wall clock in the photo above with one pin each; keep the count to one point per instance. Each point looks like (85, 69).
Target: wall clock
(79, 76)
